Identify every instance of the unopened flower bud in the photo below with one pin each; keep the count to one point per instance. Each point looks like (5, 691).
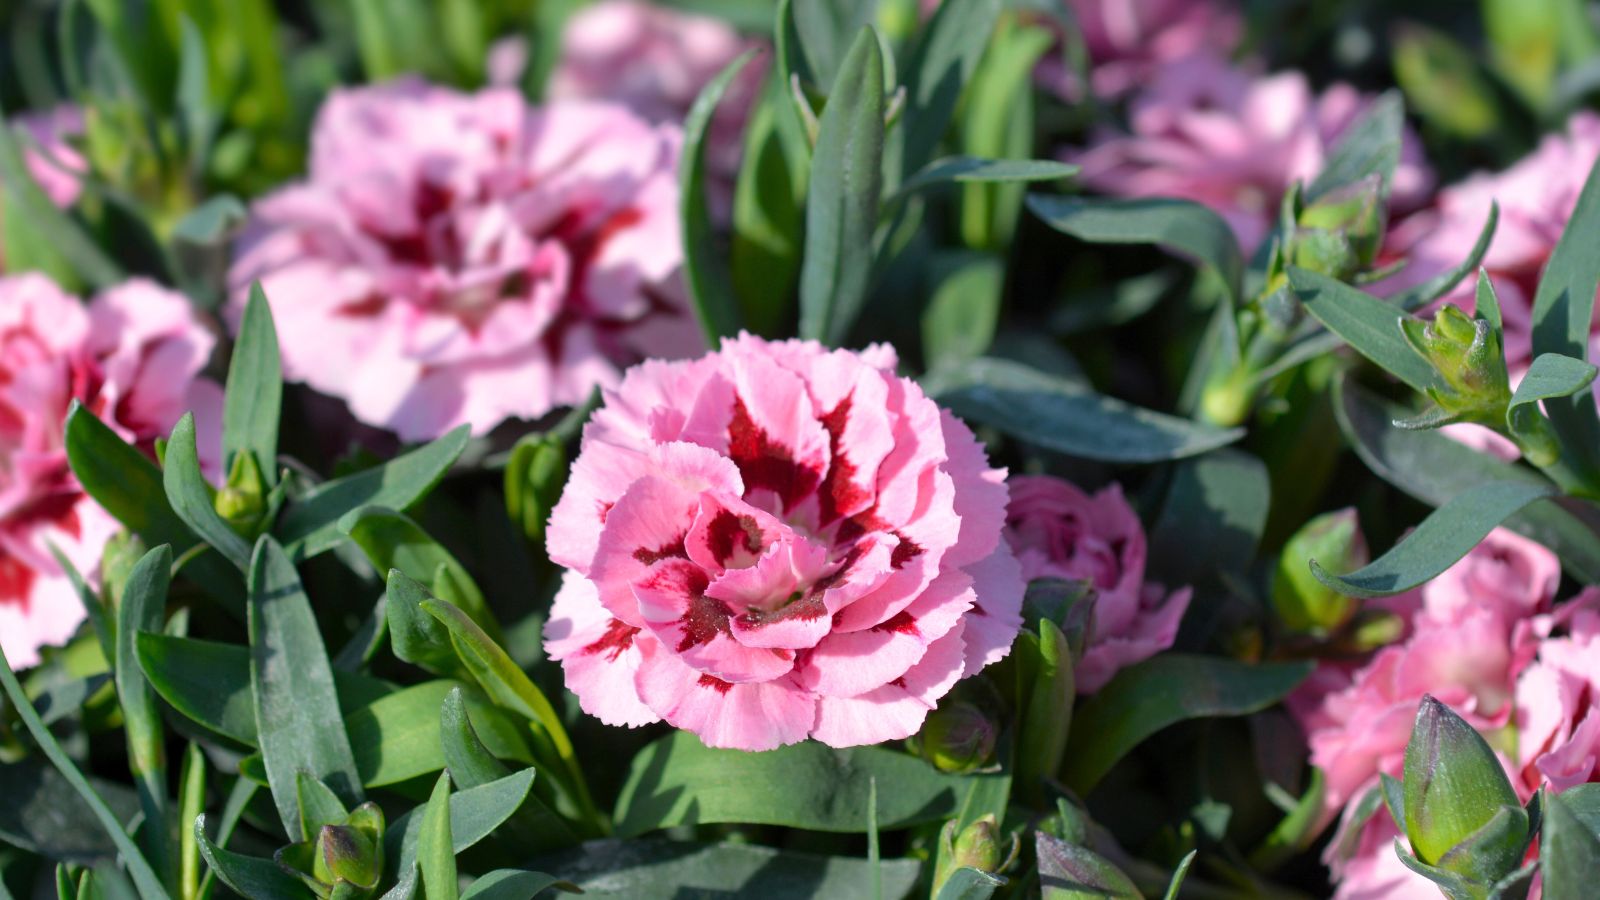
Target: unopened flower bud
(957, 737)
(1460, 809)
(1467, 354)
(1339, 234)
(242, 501)
(1302, 602)
(533, 481)
(978, 846)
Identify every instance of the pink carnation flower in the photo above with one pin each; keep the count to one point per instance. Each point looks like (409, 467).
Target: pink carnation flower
(1058, 531)
(131, 357)
(1558, 704)
(52, 161)
(1206, 131)
(777, 541)
(1472, 631)
(1129, 41)
(655, 61)
(1536, 197)
(461, 258)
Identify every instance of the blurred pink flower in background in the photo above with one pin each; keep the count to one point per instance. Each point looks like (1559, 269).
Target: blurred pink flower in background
(1058, 531)
(1536, 197)
(778, 541)
(131, 357)
(655, 61)
(1207, 131)
(1129, 41)
(462, 258)
(1558, 704)
(1471, 632)
(52, 161)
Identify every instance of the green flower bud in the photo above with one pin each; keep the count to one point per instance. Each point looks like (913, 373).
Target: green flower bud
(346, 854)
(1461, 812)
(242, 502)
(534, 477)
(1339, 235)
(957, 737)
(1467, 354)
(978, 846)
(122, 552)
(1302, 602)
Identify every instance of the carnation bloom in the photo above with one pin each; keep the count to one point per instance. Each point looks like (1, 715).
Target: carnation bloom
(1129, 41)
(131, 357)
(1206, 131)
(778, 541)
(1058, 531)
(51, 160)
(461, 258)
(1536, 198)
(1558, 705)
(1472, 631)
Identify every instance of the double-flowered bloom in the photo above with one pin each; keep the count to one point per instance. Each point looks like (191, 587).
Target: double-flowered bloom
(131, 357)
(463, 258)
(775, 542)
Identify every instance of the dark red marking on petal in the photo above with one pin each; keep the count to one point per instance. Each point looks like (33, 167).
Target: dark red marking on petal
(765, 463)
(706, 618)
(617, 639)
(715, 683)
(901, 622)
(805, 609)
(904, 552)
(16, 581)
(605, 510)
(837, 575)
(729, 530)
(673, 549)
(978, 610)
(900, 683)
(839, 491)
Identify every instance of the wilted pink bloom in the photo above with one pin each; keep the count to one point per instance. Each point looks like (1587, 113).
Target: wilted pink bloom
(53, 162)
(461, 258)
(1536, 197)
(1058, 531)
(1472, 631)
(1207, 131)
(778, 541)
(131, 357)
(1558, 704)
(655, 61)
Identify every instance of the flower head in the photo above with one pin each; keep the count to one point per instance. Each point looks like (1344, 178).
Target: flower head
(1206, 131)
(52, 161)
(1129, 41)
(492, 261)
(131, 357)
(778, 541)
(1058, 531)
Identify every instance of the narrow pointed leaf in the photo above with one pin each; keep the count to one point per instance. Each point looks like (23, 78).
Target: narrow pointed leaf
(704, 267)
(143, 608)
(1179, 226)
(1370, 146)
(1569, 853)
(298, 722)
(946, 56)
(1448, 534)
(509, 884)
(392, 540)
(249, 876)
(190, 496)
(1364, 322)
(1440, 284)
(959, 169)
(1551, 376)
(436, 855)
(254, 398)
(1563, 309)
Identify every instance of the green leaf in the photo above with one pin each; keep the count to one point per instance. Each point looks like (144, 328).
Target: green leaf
(1440, 284)
(311, 524)
(1179, 226)
(1297, 830)
(254, 395)
(1045, 721)
(57, 229)
(1370, 146)
(143, 607)
(679, 781)
(967, 883)
(997, 123)
(969, 169)
(392, 541)
(1067, 417)
(1069, 871)
(319, 806)
(1148, 696)
(509, 884)
(298, 722)
(1366, 323)
(1551, 377)
(944, 61)
(190, 496)
(129, 486)
(767, 218)
(249, 876)
(1213, 517)
(417, 637)
(1563, 309)
(436, 855)
(144, 877)
(842, 200)
(474, 814)
(472, 764)
(710, 288)
(1179, 874)
(960, 321)
(824, 27)
(1446, 535)
(45, 814)
(1433, 468)
(670, 870)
